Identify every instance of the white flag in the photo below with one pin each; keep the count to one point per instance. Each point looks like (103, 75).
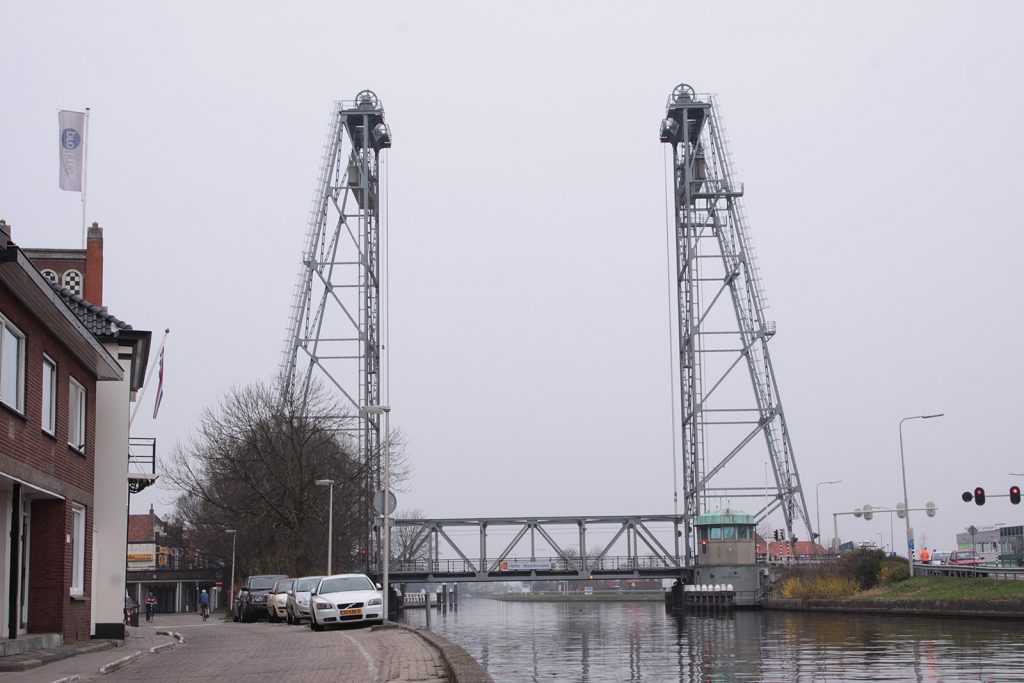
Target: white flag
(72, 149)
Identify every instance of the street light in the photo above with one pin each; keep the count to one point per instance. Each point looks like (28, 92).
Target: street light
(231, 595)
(330, 519)
(817, 504)
(386, 410)
(906, 505)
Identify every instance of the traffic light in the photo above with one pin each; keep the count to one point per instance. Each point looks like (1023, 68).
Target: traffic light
(775, 534)
(967, 496)
(703, 545)
(979, 496)
(1015, 495)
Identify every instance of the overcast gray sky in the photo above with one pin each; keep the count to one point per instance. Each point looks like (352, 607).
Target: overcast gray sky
(879, 144)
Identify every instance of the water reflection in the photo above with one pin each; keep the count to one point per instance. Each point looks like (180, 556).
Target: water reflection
(637, 642)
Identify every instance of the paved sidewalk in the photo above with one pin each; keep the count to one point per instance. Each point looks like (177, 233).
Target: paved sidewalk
(138, 643)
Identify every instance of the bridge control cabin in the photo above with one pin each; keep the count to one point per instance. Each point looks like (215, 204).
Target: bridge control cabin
(726, 537)
(727, 556)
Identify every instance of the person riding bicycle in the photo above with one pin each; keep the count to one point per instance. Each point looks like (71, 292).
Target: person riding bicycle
(204, 604)
(150, 606)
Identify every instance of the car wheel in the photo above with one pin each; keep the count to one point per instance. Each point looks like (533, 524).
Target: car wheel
(313, 625)
(272, 616)
(246, 615)
(289, 618)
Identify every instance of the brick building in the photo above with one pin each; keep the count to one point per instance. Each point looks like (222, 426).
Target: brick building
(68, 372)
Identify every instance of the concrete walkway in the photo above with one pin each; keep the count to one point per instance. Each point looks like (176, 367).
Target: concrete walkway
(88, 657)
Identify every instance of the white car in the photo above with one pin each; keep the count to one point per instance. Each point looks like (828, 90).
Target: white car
(277, 600)
(345, 598)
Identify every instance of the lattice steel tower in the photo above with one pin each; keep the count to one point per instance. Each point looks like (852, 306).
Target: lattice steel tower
(732, 421)
(334, 328)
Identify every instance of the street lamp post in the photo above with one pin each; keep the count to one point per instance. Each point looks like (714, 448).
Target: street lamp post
(906, 505)
(386, 560)
(231, 595)
(330, 519)
(817, 504)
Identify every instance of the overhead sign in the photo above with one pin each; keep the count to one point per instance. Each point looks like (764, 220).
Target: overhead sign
(524, 566)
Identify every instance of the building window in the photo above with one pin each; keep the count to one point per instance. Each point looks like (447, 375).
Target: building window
(49, 395)
(77, 549)
(50, 275)
(76, 416)
(72, 281)
(12, 366)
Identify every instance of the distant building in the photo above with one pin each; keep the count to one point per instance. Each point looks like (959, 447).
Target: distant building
(1002, 543)
(162, 560)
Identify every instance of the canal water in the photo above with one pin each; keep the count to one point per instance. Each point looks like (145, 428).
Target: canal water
(616, 642)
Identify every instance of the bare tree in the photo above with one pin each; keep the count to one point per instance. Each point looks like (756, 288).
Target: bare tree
(252, 466)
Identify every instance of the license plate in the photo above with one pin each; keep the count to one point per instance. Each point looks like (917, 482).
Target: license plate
(351, 611)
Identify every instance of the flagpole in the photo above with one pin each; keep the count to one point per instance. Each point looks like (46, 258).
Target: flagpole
(145, 381)
(85, 174)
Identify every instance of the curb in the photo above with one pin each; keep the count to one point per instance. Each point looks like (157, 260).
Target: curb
(73, 678)
(460, 664)
(118, 663)
(177, 636)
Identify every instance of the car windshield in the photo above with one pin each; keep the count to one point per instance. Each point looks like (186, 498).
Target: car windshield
(284, 586)
(262, 583)
(307, 584)
(346, 583)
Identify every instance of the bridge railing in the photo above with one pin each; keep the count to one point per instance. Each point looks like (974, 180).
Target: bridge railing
(513, 565)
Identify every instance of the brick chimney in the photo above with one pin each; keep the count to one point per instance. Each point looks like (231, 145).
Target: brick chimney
(93, 290)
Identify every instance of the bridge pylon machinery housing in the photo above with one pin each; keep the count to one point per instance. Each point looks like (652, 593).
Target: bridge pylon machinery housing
(730, 410)
(334, 329)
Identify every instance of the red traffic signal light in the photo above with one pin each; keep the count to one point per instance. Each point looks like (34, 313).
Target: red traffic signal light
(1015, 495)
(979, 496)
(703, 545)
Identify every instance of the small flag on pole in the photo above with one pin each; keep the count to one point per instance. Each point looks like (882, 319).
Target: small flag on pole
(159, 386)
(72, 150)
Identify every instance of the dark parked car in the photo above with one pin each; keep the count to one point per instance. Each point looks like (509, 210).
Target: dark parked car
(252, 597)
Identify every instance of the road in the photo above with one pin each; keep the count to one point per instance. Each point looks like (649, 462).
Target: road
(226, 651)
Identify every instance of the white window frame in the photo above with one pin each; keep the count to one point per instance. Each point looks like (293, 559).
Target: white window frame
(77, 549)
(16, 402)
(76, 415)
(49, 403)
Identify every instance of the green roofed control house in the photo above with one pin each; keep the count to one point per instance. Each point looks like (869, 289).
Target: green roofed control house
(727, 555)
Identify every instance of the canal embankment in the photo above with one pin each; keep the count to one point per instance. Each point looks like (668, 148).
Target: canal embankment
(922, 596)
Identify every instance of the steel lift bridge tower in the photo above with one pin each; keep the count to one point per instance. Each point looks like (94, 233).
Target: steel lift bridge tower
(334, 331)
(730, 410)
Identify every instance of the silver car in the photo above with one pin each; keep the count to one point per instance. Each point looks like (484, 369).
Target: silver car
(345, 598)
(297, 607)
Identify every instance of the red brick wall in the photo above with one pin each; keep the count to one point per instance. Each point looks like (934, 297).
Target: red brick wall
(22, 437)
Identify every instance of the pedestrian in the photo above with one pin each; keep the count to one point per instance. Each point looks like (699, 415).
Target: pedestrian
(926, 556)
(150, 606)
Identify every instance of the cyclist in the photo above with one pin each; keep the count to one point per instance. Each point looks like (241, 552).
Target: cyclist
(150, 606)
(204, 604)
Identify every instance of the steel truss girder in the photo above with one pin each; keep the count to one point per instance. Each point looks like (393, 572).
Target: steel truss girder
(716, 275)
(422, 559)
(334, 327)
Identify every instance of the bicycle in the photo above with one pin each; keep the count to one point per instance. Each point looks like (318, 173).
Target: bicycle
(204, 610)
(150, 610)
